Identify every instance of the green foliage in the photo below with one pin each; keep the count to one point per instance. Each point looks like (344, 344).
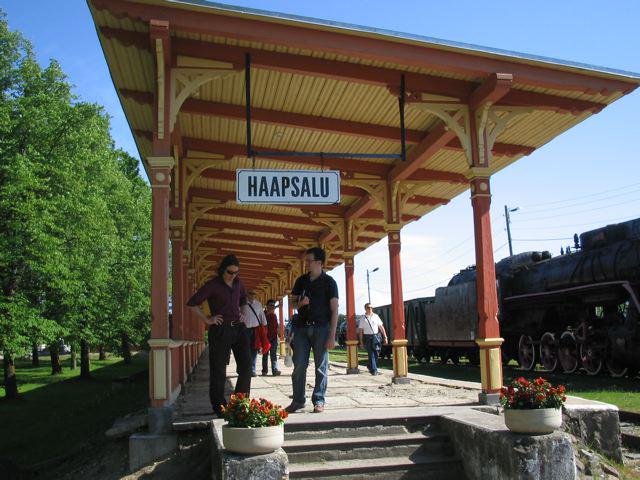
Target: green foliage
(74, 212)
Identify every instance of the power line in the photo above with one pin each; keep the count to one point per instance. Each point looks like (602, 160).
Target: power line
(540, 239)
(580, 211)
(582, 196)
(533, 212)
(595, 222)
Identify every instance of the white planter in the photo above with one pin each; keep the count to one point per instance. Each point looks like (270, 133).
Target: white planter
(536, 421)
(252, 441)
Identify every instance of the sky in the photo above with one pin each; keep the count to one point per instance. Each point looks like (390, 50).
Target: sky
(584, 179)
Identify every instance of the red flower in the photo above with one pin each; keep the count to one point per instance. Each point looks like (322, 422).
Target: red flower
(245, 412)
(539, 393)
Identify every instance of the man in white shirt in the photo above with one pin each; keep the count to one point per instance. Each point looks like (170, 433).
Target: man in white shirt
(253, 315)
(368, 327)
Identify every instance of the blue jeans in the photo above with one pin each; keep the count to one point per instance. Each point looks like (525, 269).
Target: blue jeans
(305, 339)
(273, 353)
(372, 353)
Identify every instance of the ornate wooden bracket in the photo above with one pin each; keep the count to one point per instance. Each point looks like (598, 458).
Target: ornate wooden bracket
(161, 45)
(195, 166)
(197, 210)
(385, 194)
(188, 76)
(478, 123)
(202, 234)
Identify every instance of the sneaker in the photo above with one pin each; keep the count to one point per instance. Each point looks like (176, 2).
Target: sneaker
(294, 407)
(265, 373)
(276, 373)
(254, 374)
(318, 408)
(375, 373)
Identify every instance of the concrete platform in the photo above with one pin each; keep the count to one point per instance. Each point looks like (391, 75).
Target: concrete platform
(361, 398)
(346, 394)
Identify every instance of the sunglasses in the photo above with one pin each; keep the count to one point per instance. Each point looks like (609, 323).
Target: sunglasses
(232, 272)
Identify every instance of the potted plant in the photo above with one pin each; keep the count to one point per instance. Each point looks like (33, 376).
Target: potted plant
(532, 407)
(253, 426)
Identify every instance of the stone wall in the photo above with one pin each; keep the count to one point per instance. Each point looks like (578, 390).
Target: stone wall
(229, 466)
(489, 450)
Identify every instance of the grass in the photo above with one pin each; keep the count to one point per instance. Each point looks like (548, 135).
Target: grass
(59, 414)
(622, 392)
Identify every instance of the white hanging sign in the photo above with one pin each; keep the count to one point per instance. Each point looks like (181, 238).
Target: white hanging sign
(291, 187)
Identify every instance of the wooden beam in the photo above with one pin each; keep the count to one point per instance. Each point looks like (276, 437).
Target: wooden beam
(432, 143)
(252, 249)
(367, 46)
(495, 86)
(293, 233)
(348, 166)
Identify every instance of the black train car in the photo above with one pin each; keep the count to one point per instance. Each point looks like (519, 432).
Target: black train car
(415, 325)
(576, 310)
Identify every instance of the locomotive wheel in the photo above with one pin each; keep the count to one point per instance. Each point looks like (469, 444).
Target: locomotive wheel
(549, 352)
(526, 353)
(455, 358)
(591, 356)
(568, 352)
(616, 368)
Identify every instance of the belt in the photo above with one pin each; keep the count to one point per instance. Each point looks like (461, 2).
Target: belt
(230, 323)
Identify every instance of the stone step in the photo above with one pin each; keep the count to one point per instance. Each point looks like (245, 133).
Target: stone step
(388, 468)
(373, 427)
(367, 447)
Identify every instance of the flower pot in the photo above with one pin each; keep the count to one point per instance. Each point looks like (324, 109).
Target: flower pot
(252, 441)
(535, 421)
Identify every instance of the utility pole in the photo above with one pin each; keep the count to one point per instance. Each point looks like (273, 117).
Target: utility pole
(508, 220)
(369, 288)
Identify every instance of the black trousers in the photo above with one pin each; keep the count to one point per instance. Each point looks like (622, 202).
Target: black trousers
(224, 339)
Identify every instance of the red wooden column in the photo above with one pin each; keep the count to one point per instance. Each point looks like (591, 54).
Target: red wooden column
(180, 325)
(488, 337)
(189, 331)
(186, 313)
(352, 341)
(160, 358)
(399, 342)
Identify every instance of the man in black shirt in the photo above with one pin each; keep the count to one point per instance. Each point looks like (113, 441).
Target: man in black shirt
(315, 296)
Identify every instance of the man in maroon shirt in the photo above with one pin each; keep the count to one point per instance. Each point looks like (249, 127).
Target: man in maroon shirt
(272, 335)
(227, 332)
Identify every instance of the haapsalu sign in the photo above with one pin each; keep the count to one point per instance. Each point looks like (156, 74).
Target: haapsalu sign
(288, 186)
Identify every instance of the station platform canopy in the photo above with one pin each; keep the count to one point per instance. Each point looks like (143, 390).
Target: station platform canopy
(324, 96)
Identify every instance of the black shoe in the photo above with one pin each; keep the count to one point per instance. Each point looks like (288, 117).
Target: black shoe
(254, 374)
(294, 407)
(265, 373)
(375, 373)
(276, 373)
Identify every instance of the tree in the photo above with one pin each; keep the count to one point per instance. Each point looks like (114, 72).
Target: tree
(75, 217)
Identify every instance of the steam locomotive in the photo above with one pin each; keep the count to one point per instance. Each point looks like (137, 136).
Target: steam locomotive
(578, 310)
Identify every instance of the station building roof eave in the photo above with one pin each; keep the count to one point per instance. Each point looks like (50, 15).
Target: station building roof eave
(321, 86)
(312, 22)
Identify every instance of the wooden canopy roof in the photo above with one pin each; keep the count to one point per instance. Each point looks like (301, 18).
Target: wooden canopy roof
(323, 87)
